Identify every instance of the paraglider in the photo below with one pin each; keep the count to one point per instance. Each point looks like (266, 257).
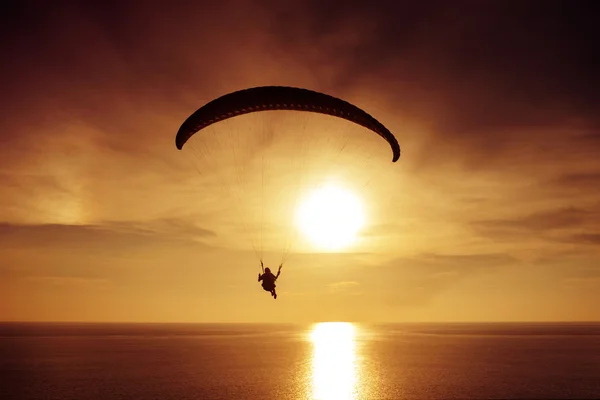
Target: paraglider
(258, 100)
(268, 279)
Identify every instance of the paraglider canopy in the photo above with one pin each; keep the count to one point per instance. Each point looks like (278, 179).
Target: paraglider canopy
(268, 98)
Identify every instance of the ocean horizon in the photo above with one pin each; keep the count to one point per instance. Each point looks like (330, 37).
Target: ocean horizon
(326, 360)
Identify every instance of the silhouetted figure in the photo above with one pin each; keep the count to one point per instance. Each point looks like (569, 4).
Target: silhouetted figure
(268, 279)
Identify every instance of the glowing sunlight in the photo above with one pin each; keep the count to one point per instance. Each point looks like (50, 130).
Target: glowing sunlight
(334, 374)
(330, 217)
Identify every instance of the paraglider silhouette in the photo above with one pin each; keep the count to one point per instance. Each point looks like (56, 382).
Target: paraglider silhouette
(275, 98)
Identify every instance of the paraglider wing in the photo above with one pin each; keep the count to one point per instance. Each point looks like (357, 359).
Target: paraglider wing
(268, 98)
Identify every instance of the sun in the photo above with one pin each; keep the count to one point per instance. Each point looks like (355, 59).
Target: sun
(331, 217)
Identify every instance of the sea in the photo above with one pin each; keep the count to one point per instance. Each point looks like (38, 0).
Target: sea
(327, 360)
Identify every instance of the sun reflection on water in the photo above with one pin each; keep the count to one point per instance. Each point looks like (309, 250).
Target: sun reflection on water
(334, 369)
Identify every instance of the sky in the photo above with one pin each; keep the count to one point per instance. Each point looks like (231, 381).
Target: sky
(491, 214)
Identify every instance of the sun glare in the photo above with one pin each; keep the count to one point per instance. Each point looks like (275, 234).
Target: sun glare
(330, 217)
(334, 367)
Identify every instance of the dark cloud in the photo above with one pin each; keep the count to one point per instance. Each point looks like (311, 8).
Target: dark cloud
(586, 238)
(482, 74)
(119, 252)
(542, 221)
(568, 264)
(581, 182)
(555, 225)
(480, 65)
(108, 236)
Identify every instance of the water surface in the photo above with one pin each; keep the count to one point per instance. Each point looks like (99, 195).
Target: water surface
(321, 361)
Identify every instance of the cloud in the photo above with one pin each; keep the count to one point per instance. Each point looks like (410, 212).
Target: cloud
(541, 221)
(559, 227)
(484, 76)
(110, 235)
(550, 225)
(585, 238)
(416, 281)
(580, 182)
